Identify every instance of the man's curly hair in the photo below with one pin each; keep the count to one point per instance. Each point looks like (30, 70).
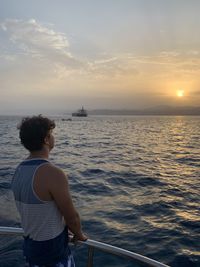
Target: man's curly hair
(33, 130)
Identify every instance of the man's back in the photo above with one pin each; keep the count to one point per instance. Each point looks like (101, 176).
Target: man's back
(41, 220)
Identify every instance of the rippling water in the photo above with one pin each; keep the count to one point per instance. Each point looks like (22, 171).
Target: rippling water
(135, 182)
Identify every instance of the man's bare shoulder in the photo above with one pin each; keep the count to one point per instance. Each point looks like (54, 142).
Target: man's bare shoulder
(52, 173)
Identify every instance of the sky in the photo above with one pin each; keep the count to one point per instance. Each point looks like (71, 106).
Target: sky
(114, 54)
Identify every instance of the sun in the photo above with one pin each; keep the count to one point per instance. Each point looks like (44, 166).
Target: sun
(180, 93)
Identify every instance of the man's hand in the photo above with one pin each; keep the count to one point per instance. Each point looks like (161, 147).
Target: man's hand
(81, 237)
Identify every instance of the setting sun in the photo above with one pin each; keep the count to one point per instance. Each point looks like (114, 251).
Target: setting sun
(180, 93)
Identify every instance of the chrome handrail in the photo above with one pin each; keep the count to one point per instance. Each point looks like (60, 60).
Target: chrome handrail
(92, 244)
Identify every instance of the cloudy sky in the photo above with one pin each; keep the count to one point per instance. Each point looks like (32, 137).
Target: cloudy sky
(60, 55)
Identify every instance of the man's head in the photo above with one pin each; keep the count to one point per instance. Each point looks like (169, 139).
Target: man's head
(36, 132)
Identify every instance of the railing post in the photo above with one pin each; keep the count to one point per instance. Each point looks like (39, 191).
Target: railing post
(90, 256)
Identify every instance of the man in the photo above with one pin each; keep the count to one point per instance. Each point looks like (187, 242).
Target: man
(43, 199)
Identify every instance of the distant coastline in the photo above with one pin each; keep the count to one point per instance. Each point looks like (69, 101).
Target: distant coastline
(160, 110)
(154, 111)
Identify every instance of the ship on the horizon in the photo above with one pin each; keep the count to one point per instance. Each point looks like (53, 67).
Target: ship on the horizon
(80, 113)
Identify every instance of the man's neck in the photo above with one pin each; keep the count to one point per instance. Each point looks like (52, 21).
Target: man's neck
(43, 153)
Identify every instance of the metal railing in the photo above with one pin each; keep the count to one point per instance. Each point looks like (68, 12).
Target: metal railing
(92, 245)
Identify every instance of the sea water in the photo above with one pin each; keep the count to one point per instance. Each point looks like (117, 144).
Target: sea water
(134, 180)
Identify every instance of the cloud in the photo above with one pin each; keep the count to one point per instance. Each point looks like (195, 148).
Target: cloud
(35, 53)
(8, 57)
(167, 57)
(113, 66)
(169, 64)
(37, 44)
(196, 93)
(38, 41)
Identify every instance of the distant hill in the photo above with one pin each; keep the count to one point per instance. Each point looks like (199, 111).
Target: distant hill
(159, 110)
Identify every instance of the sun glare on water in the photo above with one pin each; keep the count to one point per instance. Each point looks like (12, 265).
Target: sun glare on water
(180, 93)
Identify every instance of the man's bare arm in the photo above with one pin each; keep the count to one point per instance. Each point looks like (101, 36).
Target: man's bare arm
(59, 189)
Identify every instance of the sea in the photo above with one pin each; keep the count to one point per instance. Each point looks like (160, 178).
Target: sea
(135, 181)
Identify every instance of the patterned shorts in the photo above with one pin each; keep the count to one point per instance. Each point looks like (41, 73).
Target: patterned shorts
(68, 262)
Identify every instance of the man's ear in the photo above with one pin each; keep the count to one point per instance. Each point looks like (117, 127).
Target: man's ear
(46, 140)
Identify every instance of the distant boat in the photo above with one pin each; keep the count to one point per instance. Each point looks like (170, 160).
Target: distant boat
(80, 113)
(69, 119)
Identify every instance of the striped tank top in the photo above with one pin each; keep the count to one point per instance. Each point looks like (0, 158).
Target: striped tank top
(45, 233)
